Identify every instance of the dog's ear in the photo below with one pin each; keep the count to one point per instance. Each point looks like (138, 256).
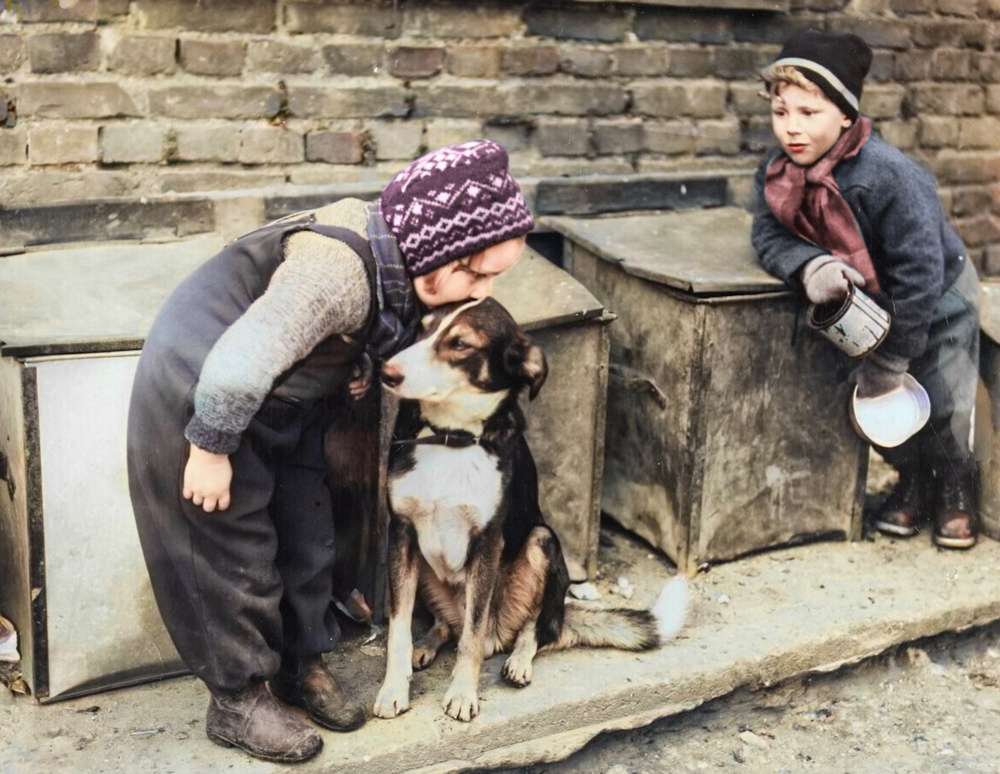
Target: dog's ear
(524, 359)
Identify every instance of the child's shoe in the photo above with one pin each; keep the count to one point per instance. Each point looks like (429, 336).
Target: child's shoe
(955, 524)
(902, 513)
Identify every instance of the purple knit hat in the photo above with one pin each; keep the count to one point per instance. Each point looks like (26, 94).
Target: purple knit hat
(453, 202)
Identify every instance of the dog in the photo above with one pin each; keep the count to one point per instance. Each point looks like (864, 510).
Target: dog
(466, 531)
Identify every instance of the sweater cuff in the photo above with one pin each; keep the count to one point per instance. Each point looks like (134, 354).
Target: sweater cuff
(210, 439)
(889, 362)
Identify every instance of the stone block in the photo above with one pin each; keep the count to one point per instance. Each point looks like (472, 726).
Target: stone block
(199, 101)
(261, 144)
(766, 29)
(720, 137)
(681, 26)
(986, 67)
(481, 61)
(451, 131)
(468, 99)
(951, 64)
(911, 7)
(58, 143)
(903, 134)
(564, 98)
(756, 134)
(618, 137)
(216, 141)
(883, 66)
(12, 54)
(970, 200)
(606, 25)
(745, 99)
(335, 147)
(514, 136)
(967, 8)
(669, 99)
(978, 230)
(883, 100)
(878, 32)
(379, 99)
(278, 56)
(51, 99)
(669, 137)
(741, 63)
(376, 18)
(586, 62)
(355, 59)
(212, 57)
(416, 61)
(13, 146)
(396, 139)
(133, 143)
(966, 167)
(941, 33)
(563, 137)
(529, 60)
(188, 181)
(948, 99)
(144, 55)
(993, 99)
(912, 66)
(938, 132)
(61, 52)
(632, 61)
(477, 20)
(691, 61)
(259, 16)
(976, 133)
(82, 11)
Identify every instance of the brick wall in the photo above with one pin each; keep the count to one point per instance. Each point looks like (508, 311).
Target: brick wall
(111, 98)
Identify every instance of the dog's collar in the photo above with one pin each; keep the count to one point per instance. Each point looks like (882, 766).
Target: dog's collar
(454, 439)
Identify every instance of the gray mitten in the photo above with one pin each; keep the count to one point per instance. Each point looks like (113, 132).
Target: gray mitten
(826, 279)
(880, 373)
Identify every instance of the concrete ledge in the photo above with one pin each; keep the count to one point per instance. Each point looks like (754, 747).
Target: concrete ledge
(754, 623)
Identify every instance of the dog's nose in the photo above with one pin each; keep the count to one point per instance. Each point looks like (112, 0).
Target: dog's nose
(392, 376)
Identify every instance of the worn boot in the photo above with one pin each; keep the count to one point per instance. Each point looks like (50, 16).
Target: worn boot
(307, 683)
(955, 523)
(253, 721)
(903, 511)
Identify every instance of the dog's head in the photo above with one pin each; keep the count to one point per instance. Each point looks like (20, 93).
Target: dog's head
(466, 351)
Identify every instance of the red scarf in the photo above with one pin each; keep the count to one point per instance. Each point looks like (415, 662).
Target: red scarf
(807, 201)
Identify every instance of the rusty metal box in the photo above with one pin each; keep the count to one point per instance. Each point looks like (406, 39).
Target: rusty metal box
(727, 425)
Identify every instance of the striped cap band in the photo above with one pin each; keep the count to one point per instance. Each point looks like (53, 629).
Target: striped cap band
(828, 76)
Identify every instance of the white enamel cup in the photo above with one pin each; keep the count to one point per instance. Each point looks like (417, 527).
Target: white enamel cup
(856, 325)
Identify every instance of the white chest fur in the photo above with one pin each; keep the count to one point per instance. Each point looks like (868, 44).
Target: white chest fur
(448, 496)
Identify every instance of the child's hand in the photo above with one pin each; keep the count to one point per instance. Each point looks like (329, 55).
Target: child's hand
(361, 377)
(207, 478)
(826, 279)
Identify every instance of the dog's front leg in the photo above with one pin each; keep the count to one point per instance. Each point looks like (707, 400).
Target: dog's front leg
(394, 696)
(462, 699)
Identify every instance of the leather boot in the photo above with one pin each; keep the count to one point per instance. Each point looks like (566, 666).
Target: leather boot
(253, 721)
(955, 523)
(903, 511)
(307, 683)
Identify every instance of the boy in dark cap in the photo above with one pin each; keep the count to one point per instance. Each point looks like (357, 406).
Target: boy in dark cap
(226, 426)
(837, 205)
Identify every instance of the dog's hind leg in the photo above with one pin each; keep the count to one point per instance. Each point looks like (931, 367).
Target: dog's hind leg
(394, 696)
(448, 612)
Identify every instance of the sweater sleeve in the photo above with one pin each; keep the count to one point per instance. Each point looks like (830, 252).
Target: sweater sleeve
(320, 289)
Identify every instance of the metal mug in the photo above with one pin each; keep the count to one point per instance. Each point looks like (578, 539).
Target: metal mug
(856, 325)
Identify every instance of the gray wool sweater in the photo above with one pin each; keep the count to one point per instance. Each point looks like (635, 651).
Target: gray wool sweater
(916, 252)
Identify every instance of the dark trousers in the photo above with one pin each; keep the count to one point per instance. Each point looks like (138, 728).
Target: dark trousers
(239, 588)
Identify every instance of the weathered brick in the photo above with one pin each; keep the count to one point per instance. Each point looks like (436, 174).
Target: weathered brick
(212, 101)
(968, 8)
(334, 147)
(219, 142)
(60, 52)
(606, 25)
(12, 54)
(765, 28)
(144, 55)
(416, 61)
(980, 230)
(529, 60)
(470, 99)
(979, 133)
(261, 144)
(745, 99)
(938, 132)
(991, 261)
(278, 56)
(564, 98)
(513, 136)
(348, 102)
(993, 99)
(740, 62)
(970, 200)
(902, 134)
(396, 139)
(13, 146)
(563, 137)
(912, 66)
(62, 144)
(680, 26)
(216, 16)
(614, 138)
(454, 21)
(817, 6)
(717, 137)
(82, 11)
(355, 58)
(450, 131)
(376, 18)
(948, 99)
(634, 61)
(941, 33)
(132, 143)
(951, 64)
(986, 67)
(908, 7)
(966, 167)
(670, 137)
(184, 181)
(74, 100)
(756, 134)
(878, 32)
(882, 100)
(883, 66)
(212, 57)
(691, 61)
(586, 62)
(473, 61)
(699, 98)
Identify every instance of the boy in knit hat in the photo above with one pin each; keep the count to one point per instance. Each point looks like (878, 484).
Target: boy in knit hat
(226, 425)
(836, 206)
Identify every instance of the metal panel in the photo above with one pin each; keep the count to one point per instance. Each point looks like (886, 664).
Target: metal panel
(102, 622)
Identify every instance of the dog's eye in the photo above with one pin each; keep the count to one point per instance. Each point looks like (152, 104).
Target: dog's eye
(459, 346)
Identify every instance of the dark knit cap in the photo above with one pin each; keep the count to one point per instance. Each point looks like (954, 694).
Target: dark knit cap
(453, 202)
(836, 62)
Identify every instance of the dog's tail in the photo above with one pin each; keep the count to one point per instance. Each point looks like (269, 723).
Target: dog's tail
(624, 628)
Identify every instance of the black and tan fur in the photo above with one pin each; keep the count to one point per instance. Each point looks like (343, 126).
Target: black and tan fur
(467, 532)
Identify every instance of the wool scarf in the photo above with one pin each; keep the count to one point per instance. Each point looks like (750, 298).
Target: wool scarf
(807, 200)
(398, 306)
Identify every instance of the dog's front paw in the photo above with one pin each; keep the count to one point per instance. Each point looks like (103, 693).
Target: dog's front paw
(393, 699)
(517, 671)
(461, 705)
(423, 657)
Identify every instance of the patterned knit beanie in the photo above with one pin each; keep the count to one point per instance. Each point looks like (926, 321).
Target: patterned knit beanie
(836, 62)
(453, 202)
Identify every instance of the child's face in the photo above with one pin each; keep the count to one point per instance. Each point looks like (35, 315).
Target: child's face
(470, 277)
(805, 122)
